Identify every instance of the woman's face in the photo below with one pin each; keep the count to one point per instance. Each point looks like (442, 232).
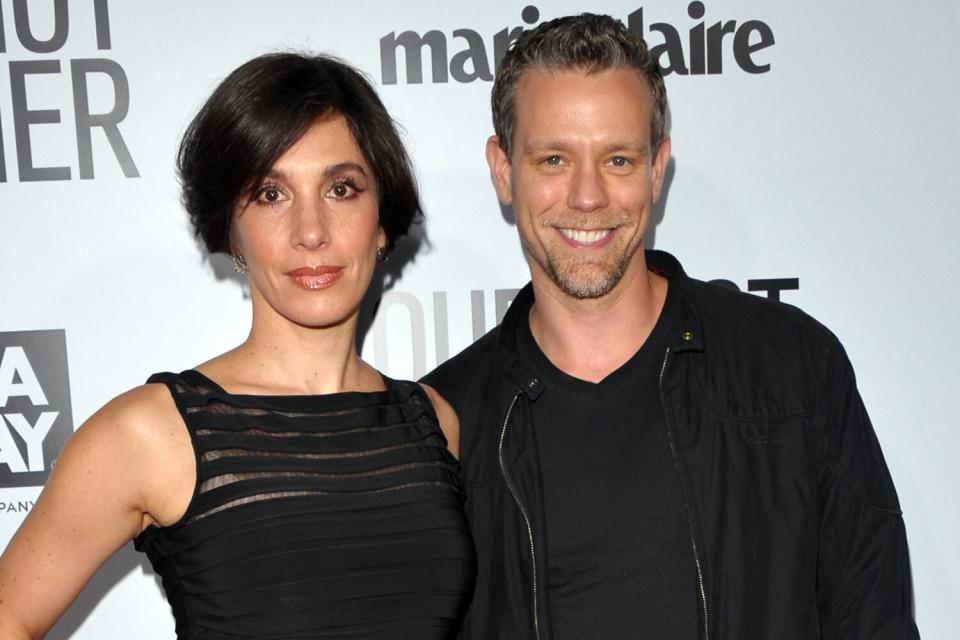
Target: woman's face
(311, 232)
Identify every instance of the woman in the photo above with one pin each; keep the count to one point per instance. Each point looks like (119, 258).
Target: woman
(284, 489)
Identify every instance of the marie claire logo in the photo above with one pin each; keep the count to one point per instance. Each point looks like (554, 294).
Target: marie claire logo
(94, 80)
(702, 50)
(35, 414)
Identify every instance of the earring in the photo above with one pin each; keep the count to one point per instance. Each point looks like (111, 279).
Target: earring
(239, 263)
(381, 255)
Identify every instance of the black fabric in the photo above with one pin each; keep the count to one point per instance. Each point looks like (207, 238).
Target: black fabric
(789, 503)
(315, 517)
(619, 561)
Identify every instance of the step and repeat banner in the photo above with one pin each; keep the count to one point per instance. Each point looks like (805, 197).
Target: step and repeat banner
(815, 160)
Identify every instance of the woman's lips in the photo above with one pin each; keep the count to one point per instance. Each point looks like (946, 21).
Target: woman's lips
(313, 278)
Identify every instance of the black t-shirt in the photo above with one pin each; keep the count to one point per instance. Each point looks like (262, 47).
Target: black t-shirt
(619, 556)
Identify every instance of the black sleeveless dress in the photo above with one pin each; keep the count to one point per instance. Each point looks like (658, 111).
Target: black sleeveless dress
(330, 516)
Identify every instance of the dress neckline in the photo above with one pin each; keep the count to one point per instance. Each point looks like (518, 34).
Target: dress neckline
(391, 392)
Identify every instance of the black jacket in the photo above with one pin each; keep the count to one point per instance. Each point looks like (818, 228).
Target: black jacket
(795, 527)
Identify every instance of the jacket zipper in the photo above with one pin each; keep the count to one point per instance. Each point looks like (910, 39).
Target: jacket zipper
(693, 537)
(523, 512)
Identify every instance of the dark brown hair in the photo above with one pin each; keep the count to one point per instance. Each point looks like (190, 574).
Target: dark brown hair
(258, 112)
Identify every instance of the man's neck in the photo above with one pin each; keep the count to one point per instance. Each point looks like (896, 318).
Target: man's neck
(591, 338)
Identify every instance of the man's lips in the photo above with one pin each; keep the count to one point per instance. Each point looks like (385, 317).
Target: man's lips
(312, 278)
(586, 237)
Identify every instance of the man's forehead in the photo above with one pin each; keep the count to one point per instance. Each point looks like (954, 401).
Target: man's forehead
(546, 88)
(569, 99)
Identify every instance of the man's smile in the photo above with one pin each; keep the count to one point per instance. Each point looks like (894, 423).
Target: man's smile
(586, 237)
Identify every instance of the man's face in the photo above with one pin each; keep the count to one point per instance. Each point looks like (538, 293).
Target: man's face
(581, 177)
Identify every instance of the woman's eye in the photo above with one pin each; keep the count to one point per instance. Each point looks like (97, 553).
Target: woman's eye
(344, 190)
(269, 195)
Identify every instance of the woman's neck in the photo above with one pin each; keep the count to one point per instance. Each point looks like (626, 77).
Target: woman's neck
(282, 357)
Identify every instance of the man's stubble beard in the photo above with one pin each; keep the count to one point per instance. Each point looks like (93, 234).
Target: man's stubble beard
(571, 280)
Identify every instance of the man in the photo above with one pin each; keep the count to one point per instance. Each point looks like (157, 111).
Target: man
(646, 455)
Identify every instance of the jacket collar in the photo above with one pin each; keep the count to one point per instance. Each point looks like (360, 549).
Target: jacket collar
(687, 337)
(514, 368)
(689, 334)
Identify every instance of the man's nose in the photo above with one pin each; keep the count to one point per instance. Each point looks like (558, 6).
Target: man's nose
(588, 190)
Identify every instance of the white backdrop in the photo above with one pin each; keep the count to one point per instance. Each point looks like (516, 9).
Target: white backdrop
(836, 166)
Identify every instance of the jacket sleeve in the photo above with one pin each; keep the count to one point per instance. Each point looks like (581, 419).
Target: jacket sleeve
(863, 581)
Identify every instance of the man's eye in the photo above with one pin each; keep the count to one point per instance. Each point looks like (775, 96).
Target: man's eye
(552, 160)
(619, 161)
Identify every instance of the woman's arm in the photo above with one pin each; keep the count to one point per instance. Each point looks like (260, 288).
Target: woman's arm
(128, 466)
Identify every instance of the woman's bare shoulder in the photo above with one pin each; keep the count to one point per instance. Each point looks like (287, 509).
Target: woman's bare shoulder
(139, 416)
(140, 439)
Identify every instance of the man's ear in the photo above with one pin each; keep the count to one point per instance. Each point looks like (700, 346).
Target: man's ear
(499, 165)
(659, 167)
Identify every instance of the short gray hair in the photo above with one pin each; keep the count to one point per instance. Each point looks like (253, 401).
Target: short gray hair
(589, 42)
